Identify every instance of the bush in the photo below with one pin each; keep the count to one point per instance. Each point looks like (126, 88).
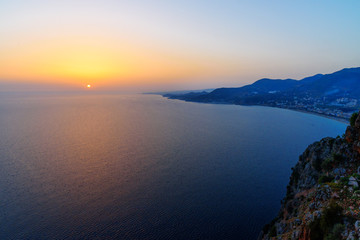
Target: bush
(289, 207)
(328, 225)
(325, 179)
(316, 232)
(355, 175)
(294, 176)
(353, 119)
(331, 215)
(336, 232)
(317, 164)
(344, 181)
(337, 157)
(272, 232)
(335, 186)
(327, 164)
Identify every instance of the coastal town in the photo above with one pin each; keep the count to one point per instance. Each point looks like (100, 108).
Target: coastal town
(334, 95)
(338, 108)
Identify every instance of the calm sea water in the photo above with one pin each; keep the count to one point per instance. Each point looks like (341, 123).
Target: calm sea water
(145, 167)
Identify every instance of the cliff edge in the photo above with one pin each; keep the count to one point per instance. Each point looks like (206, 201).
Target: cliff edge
(323, 195)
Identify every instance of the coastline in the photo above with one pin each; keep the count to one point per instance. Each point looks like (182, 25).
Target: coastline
(339, 119)
(342, 120)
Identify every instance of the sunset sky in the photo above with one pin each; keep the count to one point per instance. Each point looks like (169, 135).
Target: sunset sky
(168, 45)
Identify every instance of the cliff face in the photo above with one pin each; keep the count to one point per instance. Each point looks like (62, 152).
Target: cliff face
(323, 195)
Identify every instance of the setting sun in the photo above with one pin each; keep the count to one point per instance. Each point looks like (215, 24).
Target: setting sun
(143, 119)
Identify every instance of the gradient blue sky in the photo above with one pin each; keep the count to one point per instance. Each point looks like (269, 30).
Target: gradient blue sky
(158, 45)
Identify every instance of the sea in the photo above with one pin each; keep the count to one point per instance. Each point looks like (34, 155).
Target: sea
(117, 166)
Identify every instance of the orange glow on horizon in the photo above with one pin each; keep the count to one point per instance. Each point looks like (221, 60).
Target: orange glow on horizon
(101, 61)
(136, 44)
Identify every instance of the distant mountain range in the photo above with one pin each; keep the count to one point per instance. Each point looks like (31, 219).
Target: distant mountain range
(180, 92)
(336, 94)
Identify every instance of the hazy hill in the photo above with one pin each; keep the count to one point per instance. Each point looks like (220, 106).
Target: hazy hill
(344, 83)
(336, 94)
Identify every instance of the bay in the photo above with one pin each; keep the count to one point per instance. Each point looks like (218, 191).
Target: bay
(100, 166)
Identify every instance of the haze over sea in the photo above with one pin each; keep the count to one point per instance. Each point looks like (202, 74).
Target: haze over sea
(80, 166)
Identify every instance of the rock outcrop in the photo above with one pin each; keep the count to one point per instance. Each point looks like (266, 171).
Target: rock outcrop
(323, 195)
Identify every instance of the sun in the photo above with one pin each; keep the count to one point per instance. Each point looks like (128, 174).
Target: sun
(88, 86)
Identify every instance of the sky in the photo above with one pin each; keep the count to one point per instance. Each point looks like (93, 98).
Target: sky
(158, 45)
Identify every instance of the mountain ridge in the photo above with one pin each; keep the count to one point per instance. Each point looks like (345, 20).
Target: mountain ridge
(335, 94)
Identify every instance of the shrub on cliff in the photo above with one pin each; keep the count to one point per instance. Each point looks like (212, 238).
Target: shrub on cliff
(336, 232)
(327, 164)
(325, 179)
(337, 157)
(272, 232)
(324, 227)
(316, 232)
(344, 181)
(353, 119)
(330, 216)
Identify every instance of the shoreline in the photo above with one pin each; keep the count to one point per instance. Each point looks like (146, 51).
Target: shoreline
(339, 119)
(342, 120)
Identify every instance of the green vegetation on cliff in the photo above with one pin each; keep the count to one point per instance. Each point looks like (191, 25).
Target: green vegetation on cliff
(323, 197)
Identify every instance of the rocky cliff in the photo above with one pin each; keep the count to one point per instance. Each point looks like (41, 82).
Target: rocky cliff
(323, 195)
